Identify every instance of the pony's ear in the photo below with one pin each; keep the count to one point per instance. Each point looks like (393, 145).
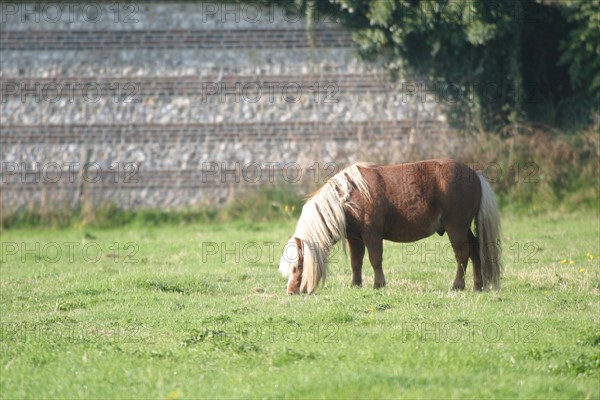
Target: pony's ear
(300, 252)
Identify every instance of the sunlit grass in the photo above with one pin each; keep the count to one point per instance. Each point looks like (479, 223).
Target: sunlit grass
(195, 311)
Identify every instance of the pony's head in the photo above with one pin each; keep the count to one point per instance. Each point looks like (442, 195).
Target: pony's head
(292, 264)
(321, 224)
(303, 264)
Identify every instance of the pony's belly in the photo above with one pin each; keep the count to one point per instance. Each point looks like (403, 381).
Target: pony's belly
(407, 237)
(408, 232)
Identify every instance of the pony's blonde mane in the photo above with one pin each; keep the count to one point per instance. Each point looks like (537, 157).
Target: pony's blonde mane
(323, 221)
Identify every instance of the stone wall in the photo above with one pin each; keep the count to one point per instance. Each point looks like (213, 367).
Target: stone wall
(180, 104)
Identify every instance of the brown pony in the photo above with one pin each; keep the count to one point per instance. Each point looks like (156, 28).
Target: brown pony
(367, 204)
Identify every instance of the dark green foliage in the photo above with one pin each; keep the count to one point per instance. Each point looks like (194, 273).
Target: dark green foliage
(491, 62)
(581, 47)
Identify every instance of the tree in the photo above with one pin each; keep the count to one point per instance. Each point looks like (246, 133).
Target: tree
(581, 47)
(493, 61)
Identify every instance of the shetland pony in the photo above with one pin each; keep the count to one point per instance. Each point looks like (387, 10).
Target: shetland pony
(367, 203)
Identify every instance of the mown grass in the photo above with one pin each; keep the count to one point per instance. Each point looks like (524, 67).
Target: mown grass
(178, 311)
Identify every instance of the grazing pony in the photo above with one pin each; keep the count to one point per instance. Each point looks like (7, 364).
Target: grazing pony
(366, 204)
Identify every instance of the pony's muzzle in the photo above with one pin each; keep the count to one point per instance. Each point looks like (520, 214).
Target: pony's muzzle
(293, 288)
(295, 281)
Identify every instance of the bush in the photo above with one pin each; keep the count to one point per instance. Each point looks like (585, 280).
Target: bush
(543, 169)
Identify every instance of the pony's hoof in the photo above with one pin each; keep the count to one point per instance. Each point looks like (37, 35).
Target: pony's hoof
(458, 286)
(379, 285)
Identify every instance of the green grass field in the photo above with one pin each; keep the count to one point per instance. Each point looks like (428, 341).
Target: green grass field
(200, 311)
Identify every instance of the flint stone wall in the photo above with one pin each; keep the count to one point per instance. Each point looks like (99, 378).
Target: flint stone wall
(179, 105)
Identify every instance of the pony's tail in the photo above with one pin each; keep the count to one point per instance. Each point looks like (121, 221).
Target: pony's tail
(487, 226)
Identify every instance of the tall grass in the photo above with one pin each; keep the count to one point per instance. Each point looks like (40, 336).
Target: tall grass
(532, 169)
(260, 204)
(542, 169)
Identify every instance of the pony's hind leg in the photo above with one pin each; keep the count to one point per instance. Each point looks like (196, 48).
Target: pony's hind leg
(474, 248)
(375, 248)
(357, 253)
(460, 244)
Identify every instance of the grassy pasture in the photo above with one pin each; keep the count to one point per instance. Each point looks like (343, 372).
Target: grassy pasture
(200, 311)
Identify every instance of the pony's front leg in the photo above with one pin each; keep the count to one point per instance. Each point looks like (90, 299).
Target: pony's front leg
(357, 253)
(375, 247)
